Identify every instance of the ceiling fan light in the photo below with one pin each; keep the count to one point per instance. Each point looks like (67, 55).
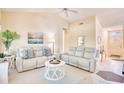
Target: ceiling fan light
(81, 23)
(67, 11)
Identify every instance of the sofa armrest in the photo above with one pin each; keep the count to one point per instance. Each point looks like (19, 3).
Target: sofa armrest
(92, 65)
(19, 64)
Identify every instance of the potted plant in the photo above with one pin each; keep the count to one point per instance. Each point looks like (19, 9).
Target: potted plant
(2, 57)
(8, 37)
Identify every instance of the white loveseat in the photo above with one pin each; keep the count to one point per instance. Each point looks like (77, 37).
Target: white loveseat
(36, 58)
(81, 57)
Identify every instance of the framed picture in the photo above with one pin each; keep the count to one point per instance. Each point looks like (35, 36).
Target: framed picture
(35, 37)
(81, 40)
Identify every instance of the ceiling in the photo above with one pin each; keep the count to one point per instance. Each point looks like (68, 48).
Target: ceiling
(107, 16)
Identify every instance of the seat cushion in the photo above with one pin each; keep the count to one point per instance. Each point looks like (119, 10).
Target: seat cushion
(73, 60)
(79, 52)
(29, 64)
(89, 53)
(84, 63)
(41, 61)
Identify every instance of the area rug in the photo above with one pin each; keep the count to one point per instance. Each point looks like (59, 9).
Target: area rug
(110, 76)
(117, 59)
(37, 77)
(68, 79)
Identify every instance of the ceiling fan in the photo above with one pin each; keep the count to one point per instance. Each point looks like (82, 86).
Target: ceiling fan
(66, 11)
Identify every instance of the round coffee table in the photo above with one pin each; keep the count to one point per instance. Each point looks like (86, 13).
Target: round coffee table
(54, 71)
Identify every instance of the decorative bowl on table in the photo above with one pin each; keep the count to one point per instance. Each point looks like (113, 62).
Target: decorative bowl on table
(54, 61)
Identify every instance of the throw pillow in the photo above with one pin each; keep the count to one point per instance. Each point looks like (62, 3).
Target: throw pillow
(23, 53)
(30, 53)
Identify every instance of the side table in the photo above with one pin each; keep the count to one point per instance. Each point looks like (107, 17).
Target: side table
(54, 71)
(11, 60)
(4, 72)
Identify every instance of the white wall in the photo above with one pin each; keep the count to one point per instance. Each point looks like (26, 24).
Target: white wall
(99, 34)
(24, 22)
(88, 28)
(0, 34)
(51, 25)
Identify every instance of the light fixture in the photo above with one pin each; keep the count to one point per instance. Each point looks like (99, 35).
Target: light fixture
(66, 11)
(53, 40)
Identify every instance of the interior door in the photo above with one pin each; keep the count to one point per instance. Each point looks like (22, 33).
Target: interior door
(115, 42)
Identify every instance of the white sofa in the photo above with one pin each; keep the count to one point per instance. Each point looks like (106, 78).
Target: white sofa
(36, 60)
(81, 57)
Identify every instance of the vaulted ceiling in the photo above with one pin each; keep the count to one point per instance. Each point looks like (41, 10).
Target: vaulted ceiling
(107, 16)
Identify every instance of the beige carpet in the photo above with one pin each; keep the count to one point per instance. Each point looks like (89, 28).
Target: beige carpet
(73, 76)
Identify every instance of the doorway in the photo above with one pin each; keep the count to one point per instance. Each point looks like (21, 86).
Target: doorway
(115, 43)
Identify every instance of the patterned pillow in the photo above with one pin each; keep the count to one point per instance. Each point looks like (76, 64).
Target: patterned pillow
(31, 53)
(23, 53)
(37, 48)
(79, 52)
(47, 51)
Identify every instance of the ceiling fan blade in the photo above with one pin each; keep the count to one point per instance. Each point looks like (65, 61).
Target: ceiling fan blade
(74, 11)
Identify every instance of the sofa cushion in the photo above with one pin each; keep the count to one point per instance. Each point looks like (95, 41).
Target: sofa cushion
(23, 53)
(73, 60)
(72, 51)
(41, 61)
(38, 53)
(79, 52)
(89, 53)
(84, 62)
(65, 57)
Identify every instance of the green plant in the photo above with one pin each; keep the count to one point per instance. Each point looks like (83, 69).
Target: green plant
(2, 55)
(9, 36)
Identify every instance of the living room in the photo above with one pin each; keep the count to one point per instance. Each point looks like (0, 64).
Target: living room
(78, 38)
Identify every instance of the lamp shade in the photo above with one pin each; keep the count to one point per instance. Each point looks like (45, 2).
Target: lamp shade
(52, 40)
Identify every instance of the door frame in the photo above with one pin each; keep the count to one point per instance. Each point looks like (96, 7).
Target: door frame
(122, 45)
